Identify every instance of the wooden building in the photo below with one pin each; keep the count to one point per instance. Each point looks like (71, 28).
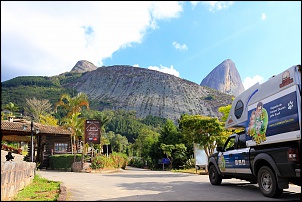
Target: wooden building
(47, 140)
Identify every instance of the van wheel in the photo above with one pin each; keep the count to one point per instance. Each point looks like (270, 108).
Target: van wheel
(214, 176)
(267, 183)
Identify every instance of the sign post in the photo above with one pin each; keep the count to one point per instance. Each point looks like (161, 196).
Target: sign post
(92, 131)
(165, 161)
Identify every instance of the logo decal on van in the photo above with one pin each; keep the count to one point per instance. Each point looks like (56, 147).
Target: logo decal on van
(286, 80)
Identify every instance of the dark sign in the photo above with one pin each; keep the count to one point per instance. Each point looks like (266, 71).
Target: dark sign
(92, 131)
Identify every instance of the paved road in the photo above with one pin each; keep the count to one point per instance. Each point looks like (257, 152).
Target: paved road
(135, 184)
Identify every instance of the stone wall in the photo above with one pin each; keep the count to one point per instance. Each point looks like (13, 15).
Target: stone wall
(14, 177)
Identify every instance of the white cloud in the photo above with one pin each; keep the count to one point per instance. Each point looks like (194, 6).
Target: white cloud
(248, 81)
(217, 5)
(179, 46)
(164, 69)
(47, 38)
(166, 9)
(263, 16)
(194, 3)
(135, 65)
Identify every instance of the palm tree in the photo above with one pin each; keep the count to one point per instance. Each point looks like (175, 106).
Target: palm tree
(76, 125)
(74, 106)
(11, 107)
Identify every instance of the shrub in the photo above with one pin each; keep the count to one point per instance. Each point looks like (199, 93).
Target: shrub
(210, 97)
(98, 162)
(137, 162)
(114, 160)
(119, 159)
(63, 161)
(190, 163)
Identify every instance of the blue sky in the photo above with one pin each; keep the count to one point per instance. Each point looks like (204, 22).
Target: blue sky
(185, 39)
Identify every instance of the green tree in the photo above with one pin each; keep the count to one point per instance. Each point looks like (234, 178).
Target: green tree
(125, 123)
(144, 141)
(48, 120)
(73, 104)
(170, 134)
(154, 121)
(174, 152)
(106, 137)
(118, 142)
(206, 131)
(225, 110)
(11, 107)
(76, 125)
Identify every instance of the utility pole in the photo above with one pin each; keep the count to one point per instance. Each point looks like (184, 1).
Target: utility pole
(32, 141)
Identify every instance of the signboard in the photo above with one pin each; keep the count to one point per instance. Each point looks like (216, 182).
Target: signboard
(274, 119)
(92, 131)
(165, 161)
(201, 158)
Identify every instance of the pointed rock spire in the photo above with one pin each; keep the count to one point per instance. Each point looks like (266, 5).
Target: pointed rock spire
(83, 66)
(224, 78)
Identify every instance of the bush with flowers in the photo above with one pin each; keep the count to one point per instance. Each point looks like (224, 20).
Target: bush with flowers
(13, 149)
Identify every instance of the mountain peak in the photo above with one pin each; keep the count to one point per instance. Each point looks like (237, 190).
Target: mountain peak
(83, 66)
(224, 78)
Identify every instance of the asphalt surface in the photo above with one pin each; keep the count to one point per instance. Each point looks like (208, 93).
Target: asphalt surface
(134, 184)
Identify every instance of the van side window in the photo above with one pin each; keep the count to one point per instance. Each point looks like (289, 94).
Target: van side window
(230, 144)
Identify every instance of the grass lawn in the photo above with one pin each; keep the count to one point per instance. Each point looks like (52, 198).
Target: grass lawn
(40, 189)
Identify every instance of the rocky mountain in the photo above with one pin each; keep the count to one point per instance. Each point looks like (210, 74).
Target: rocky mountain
(83, 66)
(224, 78)
(148, 92)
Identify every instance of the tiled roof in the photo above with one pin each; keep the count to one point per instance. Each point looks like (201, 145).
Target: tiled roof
(23, 126)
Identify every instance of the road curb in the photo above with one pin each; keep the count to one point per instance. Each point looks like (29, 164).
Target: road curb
(63, 193)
